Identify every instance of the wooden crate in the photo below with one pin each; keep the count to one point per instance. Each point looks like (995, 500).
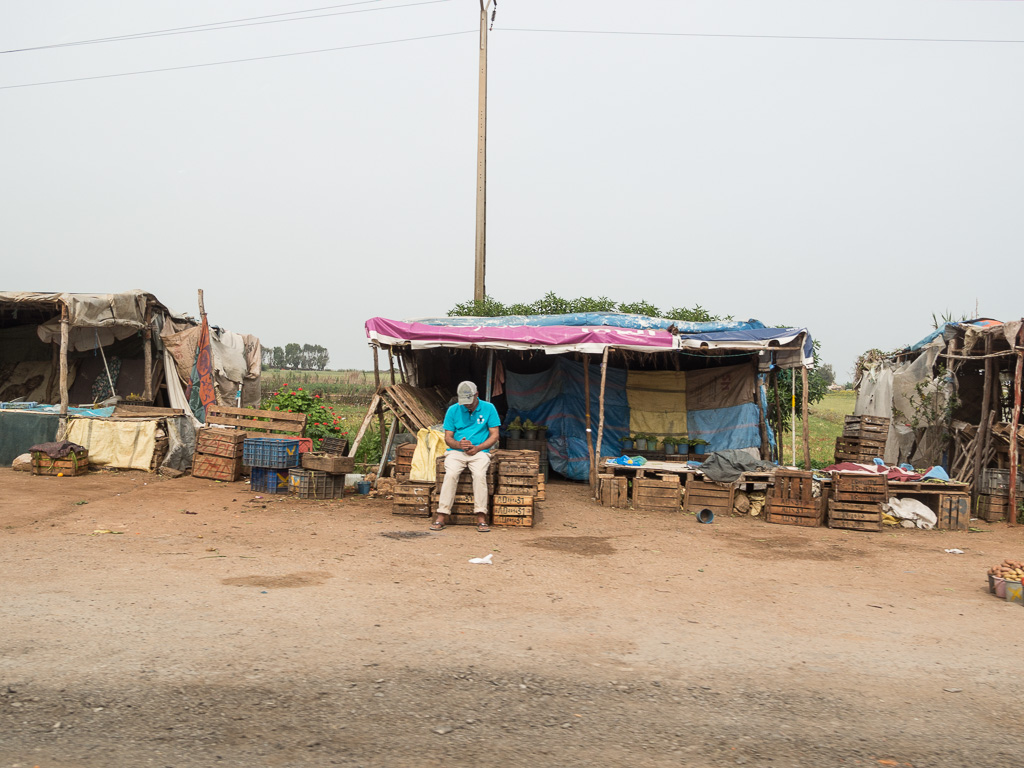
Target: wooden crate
(613, 491)
(657, 494)
(464, 518)
(954, 512)
(993, 509)
(521, 521)
(412, 499)
(328, 462)
(858, 449)
(861, 489)
(224, 468)
(518, 469)
(74, 464)
(705, 494)
(779, 518)
(870, 427)
(791, 500)
(854, 516)
(512, 500)
(213, 441)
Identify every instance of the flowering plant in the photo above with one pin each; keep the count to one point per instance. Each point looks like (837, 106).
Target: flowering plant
(321, 420)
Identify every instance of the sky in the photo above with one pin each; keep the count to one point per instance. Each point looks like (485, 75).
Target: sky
(852, 167)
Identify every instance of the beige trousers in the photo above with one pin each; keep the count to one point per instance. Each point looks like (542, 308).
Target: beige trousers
(454, 463)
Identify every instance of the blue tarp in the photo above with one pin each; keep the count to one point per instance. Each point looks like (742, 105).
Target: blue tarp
(555, 398)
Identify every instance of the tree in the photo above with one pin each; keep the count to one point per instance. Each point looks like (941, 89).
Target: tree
(278, 357)
(553, 304)
(827, 374)
(293, 356)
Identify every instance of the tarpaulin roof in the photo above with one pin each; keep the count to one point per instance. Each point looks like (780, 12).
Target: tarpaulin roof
(92, 310)
(588, 333)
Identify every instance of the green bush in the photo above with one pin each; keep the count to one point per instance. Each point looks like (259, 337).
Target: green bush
(321, 420)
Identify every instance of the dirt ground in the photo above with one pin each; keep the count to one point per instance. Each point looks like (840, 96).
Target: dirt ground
(157, 622)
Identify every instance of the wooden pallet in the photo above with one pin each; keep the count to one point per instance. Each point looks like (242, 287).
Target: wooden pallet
(651, 494)
(256, 422)
(705, 494)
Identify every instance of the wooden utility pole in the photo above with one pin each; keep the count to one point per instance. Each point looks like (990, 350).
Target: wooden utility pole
(481, 163)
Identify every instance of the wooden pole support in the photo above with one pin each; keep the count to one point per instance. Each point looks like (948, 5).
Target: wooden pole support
(807, 425)
(1011, 513)
(65, 334)
(590, 439)
(600, 405)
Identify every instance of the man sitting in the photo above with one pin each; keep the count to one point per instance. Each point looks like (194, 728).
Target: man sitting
(470, 431)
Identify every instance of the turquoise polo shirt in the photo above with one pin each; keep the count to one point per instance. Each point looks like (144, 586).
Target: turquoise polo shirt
(475, 426)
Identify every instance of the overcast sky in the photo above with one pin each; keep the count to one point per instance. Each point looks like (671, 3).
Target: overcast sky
(751, 157)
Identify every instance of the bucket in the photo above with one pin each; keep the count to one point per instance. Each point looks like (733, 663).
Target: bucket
(1015, 592)
(705, 516)
(1000, 587)
(363, 487)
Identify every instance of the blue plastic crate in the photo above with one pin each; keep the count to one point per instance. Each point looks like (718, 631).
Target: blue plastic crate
(265, 480)
(269, 453)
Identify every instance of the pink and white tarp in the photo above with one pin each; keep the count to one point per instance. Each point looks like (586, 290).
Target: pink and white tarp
(559, 339)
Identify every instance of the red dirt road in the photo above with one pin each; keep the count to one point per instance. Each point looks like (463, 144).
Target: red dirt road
(207, 626)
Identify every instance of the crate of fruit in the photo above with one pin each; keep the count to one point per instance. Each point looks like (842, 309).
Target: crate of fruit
(73, 464)
(270, 453)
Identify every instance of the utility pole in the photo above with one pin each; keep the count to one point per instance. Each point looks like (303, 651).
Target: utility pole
(481, 161)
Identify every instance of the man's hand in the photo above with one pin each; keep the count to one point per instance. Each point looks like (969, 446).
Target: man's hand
(466, 446)
(473, 450)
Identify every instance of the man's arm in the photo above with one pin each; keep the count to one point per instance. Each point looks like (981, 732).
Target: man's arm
(492, 439)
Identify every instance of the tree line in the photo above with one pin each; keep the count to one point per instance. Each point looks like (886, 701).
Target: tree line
(297, 357)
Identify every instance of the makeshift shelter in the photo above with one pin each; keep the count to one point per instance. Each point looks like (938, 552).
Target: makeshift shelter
(98, 350)
(954, 399)
(593, 378)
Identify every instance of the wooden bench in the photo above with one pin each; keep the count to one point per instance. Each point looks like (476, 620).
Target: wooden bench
(256, 423)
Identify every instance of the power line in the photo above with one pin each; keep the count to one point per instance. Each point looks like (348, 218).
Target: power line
(215, 26)
(238, 61)
(761, 37)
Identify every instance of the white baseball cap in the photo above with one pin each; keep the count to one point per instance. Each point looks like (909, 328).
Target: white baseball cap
(467, 391)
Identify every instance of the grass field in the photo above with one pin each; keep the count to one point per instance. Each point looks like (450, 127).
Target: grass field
(336, 386)
(826, 424)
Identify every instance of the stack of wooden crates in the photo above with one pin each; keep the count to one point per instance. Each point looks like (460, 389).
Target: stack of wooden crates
(462, 508)
(791, 500)
(218, 454)
(410, 498)
(403, 461)
(321, 476)
(515, 486)
(863, 439)
(857, 500)
(519, 487)
(994, 494)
